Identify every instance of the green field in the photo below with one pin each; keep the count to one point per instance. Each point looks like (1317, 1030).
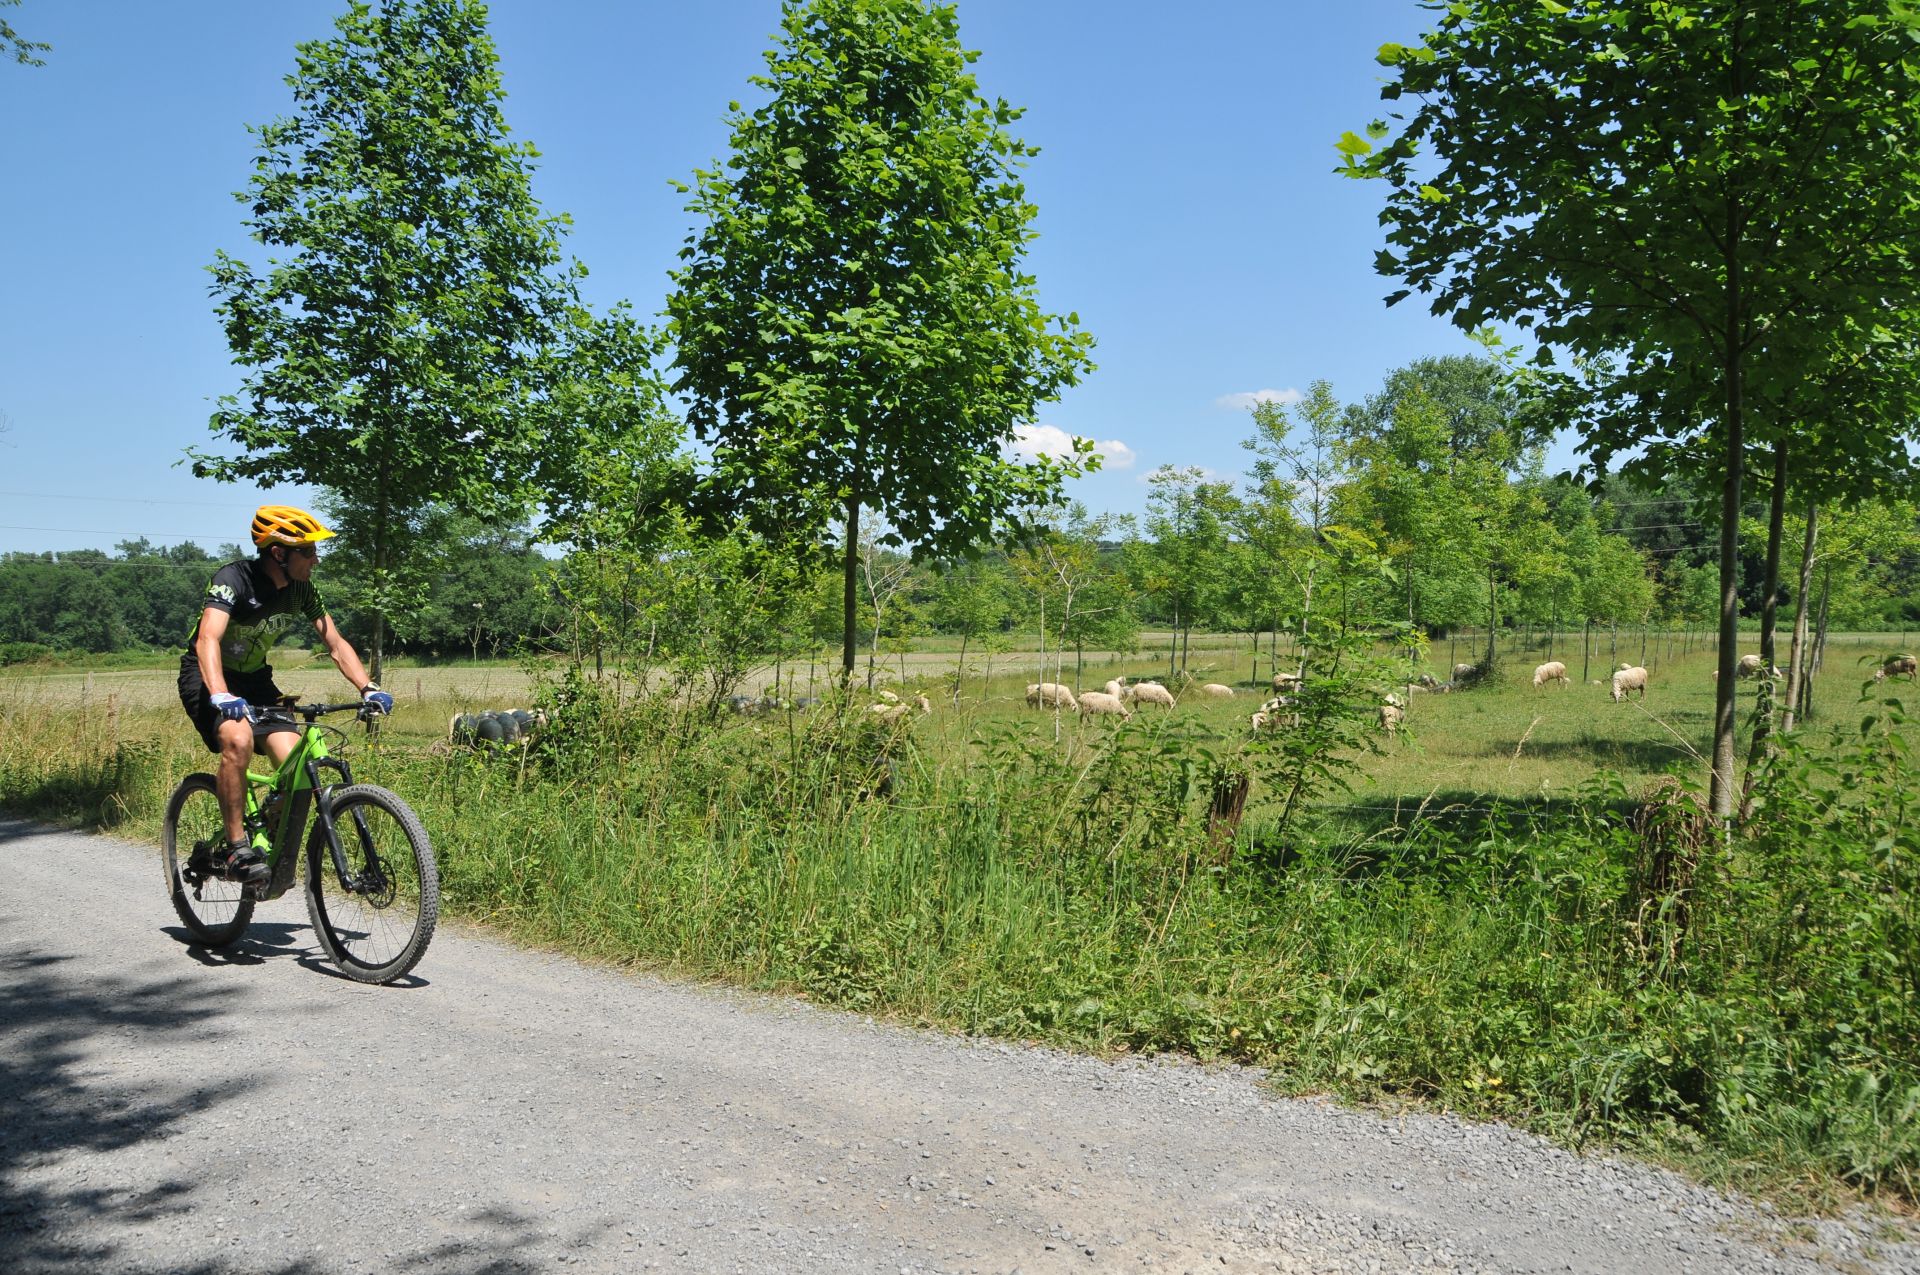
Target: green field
(1487, 922)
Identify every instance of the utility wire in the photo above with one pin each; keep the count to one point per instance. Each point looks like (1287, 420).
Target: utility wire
(126, 500)
(95, 531)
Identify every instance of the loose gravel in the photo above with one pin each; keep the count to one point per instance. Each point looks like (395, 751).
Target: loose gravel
(166, 1108)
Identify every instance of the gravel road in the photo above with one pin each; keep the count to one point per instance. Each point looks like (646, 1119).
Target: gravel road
(165, 1108)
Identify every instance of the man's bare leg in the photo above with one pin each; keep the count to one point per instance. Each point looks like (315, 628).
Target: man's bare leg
(230, 781)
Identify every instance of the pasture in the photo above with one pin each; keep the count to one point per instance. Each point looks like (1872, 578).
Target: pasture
(1481, 923)
(1501, 739)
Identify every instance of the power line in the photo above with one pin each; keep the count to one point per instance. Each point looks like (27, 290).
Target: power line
(124, 500)
(95, 531)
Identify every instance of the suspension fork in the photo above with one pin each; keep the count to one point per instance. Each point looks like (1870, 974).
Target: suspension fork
(323, 812)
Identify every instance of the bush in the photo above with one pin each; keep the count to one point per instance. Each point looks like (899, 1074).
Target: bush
(23, 652)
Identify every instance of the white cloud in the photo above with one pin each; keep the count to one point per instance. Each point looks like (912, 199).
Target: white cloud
(1050, 440)
(1247, 399)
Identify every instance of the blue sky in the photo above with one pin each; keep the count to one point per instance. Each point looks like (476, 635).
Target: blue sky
(1189, 213)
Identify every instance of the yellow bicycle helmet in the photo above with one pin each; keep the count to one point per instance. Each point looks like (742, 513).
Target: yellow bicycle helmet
(285, 525)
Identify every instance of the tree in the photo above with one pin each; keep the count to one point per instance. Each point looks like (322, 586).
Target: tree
(25, 52)
(401, 354)
(1697, 203)
(852, 328)
(1186, 562)
(1308, 472)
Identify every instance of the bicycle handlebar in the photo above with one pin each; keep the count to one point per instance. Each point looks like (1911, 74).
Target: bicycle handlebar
(311, 712)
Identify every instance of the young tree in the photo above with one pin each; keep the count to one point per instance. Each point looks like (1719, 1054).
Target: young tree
(1696, 202)
(400, 353)
(852, 327)
(1188, 518)
(1310, 470)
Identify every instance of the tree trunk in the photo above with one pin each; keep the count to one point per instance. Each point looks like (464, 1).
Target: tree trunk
(960, 669)
(1762, 746)
(1173, 641)
(1796, 673)
(1818, 655)
(1493, 620)
(1720, 793)
(1586, 651)
(849, 594)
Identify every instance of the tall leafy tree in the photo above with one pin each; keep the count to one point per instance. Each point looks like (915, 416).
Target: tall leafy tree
(399, 344)
(852, 327)
(1307, 468)
(1695, 201)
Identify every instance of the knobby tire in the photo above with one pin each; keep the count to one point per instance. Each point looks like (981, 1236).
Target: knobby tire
(375, 931)
(193, 825)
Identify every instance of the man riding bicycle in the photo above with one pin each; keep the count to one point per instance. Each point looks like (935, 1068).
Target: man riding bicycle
(249, 605)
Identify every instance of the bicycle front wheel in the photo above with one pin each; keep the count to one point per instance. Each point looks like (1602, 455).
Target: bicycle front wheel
(215, 909)
(376, 920)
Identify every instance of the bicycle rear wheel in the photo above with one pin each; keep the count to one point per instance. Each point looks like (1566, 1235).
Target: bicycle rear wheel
(214, 909)
(376, 923)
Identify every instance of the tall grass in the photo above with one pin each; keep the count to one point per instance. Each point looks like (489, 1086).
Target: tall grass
(1749, 1003)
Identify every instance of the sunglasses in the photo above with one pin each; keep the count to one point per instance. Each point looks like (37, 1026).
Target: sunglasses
(304, 551)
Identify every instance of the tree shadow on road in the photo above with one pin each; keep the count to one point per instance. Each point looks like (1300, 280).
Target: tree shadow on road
(51, 1106)
(62, 1116)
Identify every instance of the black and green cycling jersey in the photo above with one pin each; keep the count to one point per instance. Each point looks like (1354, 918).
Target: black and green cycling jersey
(258, 613)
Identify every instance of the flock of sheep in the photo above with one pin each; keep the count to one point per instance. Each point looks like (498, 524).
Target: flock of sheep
(1119, 698)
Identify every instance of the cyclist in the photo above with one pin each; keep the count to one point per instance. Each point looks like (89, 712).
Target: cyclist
(249, 604)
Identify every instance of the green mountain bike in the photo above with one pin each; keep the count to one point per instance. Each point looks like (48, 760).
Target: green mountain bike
(373, 890)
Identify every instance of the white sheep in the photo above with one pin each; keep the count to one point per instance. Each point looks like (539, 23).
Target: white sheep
(1276, 712)
(1628, 679)
(1899, 666)
(1747, 666)
(1215, 690)
(889, 714)
(1150, 693)
(1465, 673)
(1392, 713)
(1284, 682)
(1050, 695)
(1117, 687)
(1428, 682)
(1551, 671)
(1095, 703)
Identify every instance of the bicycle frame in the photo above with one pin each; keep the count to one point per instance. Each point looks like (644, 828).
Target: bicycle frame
(295, 788)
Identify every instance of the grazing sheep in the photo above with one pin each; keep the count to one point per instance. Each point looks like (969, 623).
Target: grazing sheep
(1214, 690)
(1899, 666)
(1117, 687)
(1050, 695)
(1748, 666)
(1284, 682)
(1150, 693)
(1095, 703)
(1428, 682)
(1551, 671)
(893, 709)
(1276, 712)
(1392, 713)
(1465, 673)
(1630, 678)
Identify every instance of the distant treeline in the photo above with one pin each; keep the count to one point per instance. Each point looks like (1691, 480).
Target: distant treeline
(490, 592)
